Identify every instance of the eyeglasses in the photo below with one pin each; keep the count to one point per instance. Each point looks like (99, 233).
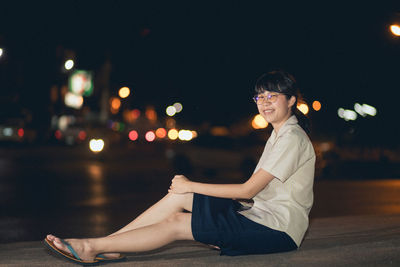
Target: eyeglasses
(260, 99)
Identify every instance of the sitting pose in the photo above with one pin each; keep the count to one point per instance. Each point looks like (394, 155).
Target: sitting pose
(281, 190)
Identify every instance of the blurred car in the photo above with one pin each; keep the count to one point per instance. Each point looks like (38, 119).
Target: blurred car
(216, 156)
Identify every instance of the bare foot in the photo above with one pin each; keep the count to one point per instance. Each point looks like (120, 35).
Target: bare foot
(111, 255)
(81, 246)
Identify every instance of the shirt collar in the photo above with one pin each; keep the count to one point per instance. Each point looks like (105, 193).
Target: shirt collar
(291, 121)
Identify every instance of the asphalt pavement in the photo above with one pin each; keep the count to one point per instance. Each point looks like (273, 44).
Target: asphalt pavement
(372, 240)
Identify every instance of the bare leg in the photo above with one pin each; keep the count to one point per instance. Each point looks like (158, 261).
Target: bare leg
(168, 205)
(175, 227)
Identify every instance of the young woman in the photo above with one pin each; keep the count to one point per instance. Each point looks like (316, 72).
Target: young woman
(281, 188)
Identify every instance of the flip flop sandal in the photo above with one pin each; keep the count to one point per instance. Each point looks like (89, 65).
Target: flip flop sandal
(73, 256)
(102, 258)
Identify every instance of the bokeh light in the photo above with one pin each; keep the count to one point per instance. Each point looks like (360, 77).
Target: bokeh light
(185, 135)
(115, 103)
(20, 132)
(82, 135)
(1, 52)
(171, 111)
(161, 133)
(173, 134)
(259, 122)
(133, 135)
(96, 145)
(178, 106)
(303, 107)
(151, 114)
(69, 64)
(124, 92)
(150, 136)
(316, 105)
(395, 29)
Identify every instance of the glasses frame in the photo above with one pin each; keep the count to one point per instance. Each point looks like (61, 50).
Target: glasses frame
(268, 97)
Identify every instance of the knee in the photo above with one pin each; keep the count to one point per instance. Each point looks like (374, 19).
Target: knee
(180, 224)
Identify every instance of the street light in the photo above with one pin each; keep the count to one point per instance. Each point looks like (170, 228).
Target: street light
(395, 29)
(69, 64)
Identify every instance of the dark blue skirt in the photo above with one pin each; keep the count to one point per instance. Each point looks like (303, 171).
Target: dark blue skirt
(216, 221)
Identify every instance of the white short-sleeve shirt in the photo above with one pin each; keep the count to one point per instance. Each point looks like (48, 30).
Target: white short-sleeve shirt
(285, 203)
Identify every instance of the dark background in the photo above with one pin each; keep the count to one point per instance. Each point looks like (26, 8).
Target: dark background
(208, 55)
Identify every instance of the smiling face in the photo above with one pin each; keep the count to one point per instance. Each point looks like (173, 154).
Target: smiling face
(275, 108)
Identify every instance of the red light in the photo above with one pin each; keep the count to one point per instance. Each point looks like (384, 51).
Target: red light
(21, 132)
(150, 136)
(58, 134)
(82, 135)
(133, 135)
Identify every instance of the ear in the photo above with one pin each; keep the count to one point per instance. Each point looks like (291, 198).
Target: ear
(291, 101)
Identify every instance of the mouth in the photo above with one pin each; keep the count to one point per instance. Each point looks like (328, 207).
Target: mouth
(268, 111)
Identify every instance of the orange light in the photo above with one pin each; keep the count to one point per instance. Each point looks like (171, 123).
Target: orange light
(135, 114)
(259, 122)
(151, 114)
(115, 103)
(20, 132)
(133, 135)
(161, 133)
(316, 105)
(150, 136)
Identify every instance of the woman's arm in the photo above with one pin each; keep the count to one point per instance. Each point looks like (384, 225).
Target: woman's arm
(258, 181)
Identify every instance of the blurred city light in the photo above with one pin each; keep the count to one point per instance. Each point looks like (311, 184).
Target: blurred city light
(69, 64)
(58, 134)
(135, 114)
(171, 111)
(96, 145)
(178, 106)
(7, 131)
(185, 135)
(173, 134)
(133, 135)
(259, 122)
(303, 107)
(124, 92)
(21, 132)
(115, 103)
(161, 133)
(150, 136)
(170, 123)
(80, 83)
(347, 115)
(359, 109)
(395, 29)
(370, 110)
(72, 100)
(82, 135)
(194, 134)
(1, 52)
(316, 105)
(151, 114)
(219, 131)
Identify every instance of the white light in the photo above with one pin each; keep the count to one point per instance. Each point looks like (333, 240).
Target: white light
(340, 113)
(73, 100)
(178, 107)
(1, 52)
(7, 131)
(96, 145)
(171, 111)
(69, 64)
(349, 115)
(185, 135)
(359, 109)
(370, 110)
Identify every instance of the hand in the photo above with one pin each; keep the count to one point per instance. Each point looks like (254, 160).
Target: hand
(179, 185)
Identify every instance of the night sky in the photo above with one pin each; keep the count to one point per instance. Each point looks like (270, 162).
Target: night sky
(208, 54)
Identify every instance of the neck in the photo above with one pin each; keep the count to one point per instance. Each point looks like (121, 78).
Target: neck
(277, 126)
